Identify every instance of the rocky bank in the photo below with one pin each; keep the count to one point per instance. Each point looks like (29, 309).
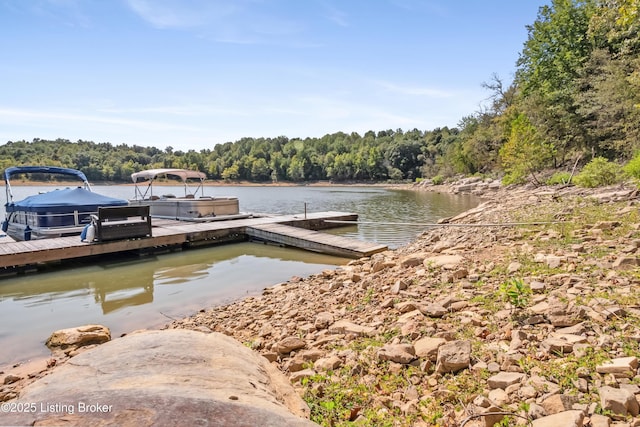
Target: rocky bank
(479, 321)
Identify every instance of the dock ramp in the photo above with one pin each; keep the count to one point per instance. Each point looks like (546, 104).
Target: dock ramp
(313, 240)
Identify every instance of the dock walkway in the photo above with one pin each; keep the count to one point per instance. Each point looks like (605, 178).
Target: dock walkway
(313, 240)
(289, 230)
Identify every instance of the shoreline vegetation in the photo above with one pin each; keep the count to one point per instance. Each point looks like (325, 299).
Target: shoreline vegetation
(464, 324)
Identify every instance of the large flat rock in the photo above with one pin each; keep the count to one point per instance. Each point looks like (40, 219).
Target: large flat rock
(170, 377)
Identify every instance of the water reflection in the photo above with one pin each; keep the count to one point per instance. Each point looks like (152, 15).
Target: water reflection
(77, 282)
(123, 292)
(136, 292)
(124, 298)
(181, 274)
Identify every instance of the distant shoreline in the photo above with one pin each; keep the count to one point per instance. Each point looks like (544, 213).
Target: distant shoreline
(218, 184)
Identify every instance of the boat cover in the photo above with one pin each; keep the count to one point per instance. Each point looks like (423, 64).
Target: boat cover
(65, 200)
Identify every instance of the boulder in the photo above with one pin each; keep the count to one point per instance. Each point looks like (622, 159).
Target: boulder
(289, 344)
(623, 367)
(433, 310)
(619, 401)
(323, 320)
(625, 262)
(412, 260)
(453, 356)
(565, 419)
(70, 339)
(445, 261)
(328, 363)
(427, 348)
(503, 380)
(398, 353)
(598, 420)
(557, 403)
(163, 378)
(346, 327)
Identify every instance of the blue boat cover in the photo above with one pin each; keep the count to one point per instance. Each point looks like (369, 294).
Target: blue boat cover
(65, 200)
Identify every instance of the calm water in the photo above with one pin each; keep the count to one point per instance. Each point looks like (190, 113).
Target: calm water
(128, 294)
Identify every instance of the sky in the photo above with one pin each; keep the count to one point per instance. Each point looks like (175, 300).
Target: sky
(190, 74)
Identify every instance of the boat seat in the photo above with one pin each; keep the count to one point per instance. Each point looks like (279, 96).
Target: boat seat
(123, 222)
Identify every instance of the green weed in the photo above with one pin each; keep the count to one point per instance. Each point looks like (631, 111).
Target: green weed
(516, 292)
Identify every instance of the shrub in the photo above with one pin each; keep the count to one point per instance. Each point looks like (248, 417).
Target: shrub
(437, 180)
(559, 178)
(599, 172)
(514, 177)
(633, 167)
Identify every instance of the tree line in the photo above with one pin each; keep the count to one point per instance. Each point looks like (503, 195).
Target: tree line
(575, 97)
(385, 155)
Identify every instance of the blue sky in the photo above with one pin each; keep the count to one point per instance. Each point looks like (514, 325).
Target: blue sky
(194, 73)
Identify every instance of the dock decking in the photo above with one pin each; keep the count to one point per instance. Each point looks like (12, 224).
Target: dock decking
(313, 240)
(289, 230)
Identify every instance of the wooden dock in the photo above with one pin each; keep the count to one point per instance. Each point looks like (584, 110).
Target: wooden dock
(313, 240)
(289, 230)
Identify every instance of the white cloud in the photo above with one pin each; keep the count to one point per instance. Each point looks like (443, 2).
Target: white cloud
(71, 118)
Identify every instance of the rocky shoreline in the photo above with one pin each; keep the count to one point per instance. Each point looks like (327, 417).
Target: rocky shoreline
(468, 324)
(481, 320)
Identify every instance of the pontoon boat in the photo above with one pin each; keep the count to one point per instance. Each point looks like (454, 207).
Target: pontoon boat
(56, 213)
(192, 206)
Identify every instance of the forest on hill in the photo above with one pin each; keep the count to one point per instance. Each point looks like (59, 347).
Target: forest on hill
(575, 97)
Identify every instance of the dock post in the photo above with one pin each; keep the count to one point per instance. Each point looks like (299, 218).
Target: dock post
(305, 210)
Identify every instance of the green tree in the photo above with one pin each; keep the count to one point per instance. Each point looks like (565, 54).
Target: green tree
(608, 102)
(525, 152)
(548, 67)
(296, 169)
(260, 170)
(231, 173)
(405, 156)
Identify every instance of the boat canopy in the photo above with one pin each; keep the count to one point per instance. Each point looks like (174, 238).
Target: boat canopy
(59, 201)
(183, 174)
(17, 170)
(148, 176)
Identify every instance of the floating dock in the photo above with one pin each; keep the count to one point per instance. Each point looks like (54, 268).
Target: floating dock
(311, 240)
(287, 230)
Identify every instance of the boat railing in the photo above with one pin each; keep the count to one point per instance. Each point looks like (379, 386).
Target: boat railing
(58, 219)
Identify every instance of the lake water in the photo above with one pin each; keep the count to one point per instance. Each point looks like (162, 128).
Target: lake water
(125, 294)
